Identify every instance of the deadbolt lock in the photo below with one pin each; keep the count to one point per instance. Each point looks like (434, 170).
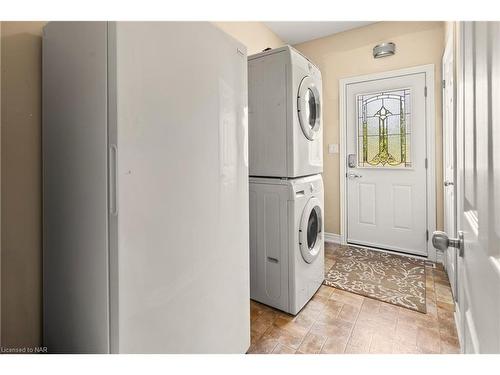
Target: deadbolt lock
(351, 160)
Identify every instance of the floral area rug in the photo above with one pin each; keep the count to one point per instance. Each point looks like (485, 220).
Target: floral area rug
(395, 279)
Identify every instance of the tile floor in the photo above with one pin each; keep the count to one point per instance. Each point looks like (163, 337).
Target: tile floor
(335, 322)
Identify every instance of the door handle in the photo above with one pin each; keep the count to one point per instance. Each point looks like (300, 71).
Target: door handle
(353, 176)
(441, 241)
(449, 183)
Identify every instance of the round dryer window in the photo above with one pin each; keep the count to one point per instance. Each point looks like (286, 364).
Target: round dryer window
(309, 108)
(310, 234)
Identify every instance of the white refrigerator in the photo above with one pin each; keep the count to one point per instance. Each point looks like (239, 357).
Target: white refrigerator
(145, 189)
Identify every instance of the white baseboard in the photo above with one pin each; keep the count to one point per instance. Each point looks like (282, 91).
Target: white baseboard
(332, 237)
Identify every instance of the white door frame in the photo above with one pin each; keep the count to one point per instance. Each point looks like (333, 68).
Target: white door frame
(459, 156)
(450, 255)
(430, 147)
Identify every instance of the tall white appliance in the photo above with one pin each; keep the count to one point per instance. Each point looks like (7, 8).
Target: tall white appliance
(145, 188)
(286, 188)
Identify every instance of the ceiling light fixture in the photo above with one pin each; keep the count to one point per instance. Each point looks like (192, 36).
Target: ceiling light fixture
(384, 50)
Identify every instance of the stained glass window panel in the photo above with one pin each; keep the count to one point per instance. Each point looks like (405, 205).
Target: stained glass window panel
(384, 129)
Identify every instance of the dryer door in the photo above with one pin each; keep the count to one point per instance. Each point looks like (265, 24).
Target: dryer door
(311, 230)
(309, 108)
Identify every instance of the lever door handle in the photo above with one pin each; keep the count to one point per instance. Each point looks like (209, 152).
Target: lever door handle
(353, 176)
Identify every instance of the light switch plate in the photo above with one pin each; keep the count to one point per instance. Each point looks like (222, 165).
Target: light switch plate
(333, 148)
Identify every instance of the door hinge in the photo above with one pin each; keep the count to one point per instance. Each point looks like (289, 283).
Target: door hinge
(425, 91)
(444, 83)
(427, 234)
(426, 163)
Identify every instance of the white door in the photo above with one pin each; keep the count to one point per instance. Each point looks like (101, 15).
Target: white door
(478, 187)
(450, 256)
(386, 163)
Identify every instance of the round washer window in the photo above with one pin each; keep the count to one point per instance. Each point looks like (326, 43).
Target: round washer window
(311, 115)
(309, 108)
(312, 229)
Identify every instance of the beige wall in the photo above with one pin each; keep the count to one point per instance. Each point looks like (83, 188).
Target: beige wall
(349, 54)
(449, 30)
(255, 35)
(21, 270)
(21, 183)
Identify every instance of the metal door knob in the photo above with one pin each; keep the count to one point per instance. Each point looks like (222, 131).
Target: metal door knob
(441, 241)
(449, 183)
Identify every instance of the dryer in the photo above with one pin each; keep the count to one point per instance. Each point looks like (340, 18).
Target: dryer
(286, 241)
(285, 114)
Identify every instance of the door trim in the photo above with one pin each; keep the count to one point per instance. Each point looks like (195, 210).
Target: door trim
(459, 37)
(448, 258)
(430, 129)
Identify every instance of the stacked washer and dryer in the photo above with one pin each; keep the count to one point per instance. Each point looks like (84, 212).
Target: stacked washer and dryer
(286, 188)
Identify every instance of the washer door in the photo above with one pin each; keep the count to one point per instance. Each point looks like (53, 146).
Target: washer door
(310, 231)
(309, 108)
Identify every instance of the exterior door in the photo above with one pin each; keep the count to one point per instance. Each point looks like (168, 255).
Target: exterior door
(450, 256)
(478, 187)
(386, 163)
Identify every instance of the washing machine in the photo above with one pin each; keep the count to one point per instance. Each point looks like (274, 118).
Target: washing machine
(286, 241)
(284, 114)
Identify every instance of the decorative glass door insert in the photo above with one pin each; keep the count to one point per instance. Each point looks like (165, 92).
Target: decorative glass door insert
(384, 129)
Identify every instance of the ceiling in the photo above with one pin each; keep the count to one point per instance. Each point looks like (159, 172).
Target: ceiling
(298, 32)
